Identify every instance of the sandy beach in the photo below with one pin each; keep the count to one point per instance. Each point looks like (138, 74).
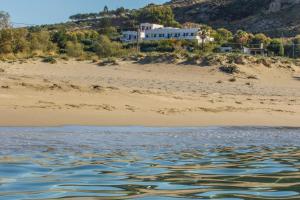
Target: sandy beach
(155, 94)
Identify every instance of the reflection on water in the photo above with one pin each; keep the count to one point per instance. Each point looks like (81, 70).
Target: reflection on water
(146, 164)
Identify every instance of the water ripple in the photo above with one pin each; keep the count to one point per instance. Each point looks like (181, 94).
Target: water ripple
(145, 164)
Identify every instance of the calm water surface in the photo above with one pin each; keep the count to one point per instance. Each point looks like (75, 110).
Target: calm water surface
(149, 163)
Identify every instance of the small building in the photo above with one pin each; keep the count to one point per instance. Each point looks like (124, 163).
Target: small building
(255, 50)
(149, 26)
(155, 32)
(129, 36)
(225, 49)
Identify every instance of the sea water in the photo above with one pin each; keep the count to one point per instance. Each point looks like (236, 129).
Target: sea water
(149, 163)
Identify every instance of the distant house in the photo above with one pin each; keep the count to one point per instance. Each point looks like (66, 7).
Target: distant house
(256, 50)
(225, 49)
(129, 36)
(155, 32)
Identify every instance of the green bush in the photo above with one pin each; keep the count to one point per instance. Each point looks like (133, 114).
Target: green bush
(49, 59)
(74, 49)
(108, 61)
(104, 48)
(229, 69)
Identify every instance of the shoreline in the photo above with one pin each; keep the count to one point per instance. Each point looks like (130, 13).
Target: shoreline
(119, 127)
(114, 121)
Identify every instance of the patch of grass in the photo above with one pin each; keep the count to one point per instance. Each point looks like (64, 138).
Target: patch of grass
(264, 61)
(64, 57)
(233, 79)
(252, 77)
(108, 61)
(49, 59)
(229, 69)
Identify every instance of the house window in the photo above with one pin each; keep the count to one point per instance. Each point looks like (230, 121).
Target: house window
(192, 34)
(161, 35)
(147, 36)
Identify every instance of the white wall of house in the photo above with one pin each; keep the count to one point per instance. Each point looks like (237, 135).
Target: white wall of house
(226, 49)
(148, 26)
(154, 32)
(129, 36)
(171, 33)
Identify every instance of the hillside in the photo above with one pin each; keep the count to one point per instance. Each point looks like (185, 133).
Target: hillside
(274, 17)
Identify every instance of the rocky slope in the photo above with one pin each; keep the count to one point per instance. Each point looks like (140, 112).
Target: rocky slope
(274, 17)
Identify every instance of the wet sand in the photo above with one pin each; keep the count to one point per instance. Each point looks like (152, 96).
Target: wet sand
(160, 94)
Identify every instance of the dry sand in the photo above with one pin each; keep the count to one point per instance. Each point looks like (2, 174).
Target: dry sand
(83, 93)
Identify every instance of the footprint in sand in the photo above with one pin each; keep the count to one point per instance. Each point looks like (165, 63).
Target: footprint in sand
(98, 88)
(75, 87)
(131, 108)
(5, 87)
(55, 86)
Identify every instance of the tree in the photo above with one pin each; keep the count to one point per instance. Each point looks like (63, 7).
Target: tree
(41, 42)
(281, 49)
(104, 47)
(20, 41)
(158, 14)
(105, 10)
(6, 41)
(120, 11)
(222, 35)
(4, 20)
(242, 37)
(74, 49)
(276, 47)
(60, 38)
(296, 46)
(260, 39)
(204, 34)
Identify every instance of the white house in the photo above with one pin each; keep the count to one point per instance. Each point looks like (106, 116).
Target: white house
(129, 36)
(154, 32)
(226, 49)
(148, 26)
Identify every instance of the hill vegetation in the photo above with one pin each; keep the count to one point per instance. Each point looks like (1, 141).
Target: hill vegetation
(272, 17)
(96, 35)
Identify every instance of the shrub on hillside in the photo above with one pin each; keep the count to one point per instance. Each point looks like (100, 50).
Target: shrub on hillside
(74, 49)
(104, 48)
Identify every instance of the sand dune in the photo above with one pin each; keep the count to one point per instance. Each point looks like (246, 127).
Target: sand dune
(83, 93)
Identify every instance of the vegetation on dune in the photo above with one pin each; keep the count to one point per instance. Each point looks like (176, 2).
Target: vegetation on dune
(4, 20)
(157, 14)
(103, 41)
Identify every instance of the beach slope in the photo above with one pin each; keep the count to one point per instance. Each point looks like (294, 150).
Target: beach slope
(33, 93)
